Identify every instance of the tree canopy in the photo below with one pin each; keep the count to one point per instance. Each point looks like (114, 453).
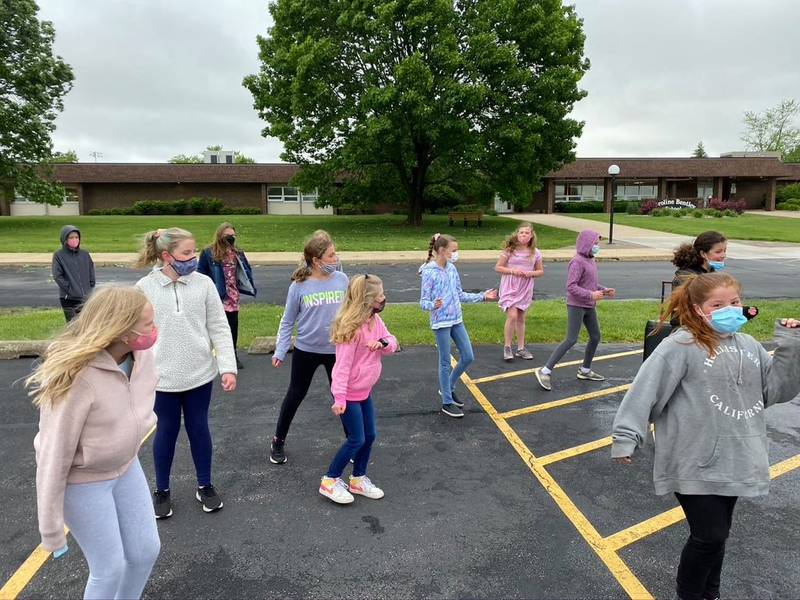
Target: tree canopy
(238, 157)
(419, 99)
(774, 130)
(33, 83)
(700, 151)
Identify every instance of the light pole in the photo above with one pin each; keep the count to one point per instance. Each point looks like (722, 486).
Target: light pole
(613, 170)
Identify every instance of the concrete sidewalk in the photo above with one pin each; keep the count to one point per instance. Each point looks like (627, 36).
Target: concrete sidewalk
(620, 252)
(660, 241)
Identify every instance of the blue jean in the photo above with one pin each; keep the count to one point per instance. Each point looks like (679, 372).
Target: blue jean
(113, 523)
(447, 375)
(358, 420)
(194, 406)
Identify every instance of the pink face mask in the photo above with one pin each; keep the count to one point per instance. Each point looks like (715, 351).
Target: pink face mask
(143, 342)
(74, 243)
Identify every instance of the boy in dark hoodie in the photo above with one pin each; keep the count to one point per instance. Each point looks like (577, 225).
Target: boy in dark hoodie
(583, 292)
(73, 271)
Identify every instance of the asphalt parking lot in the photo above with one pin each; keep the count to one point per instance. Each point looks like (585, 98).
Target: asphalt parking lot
(517, 500)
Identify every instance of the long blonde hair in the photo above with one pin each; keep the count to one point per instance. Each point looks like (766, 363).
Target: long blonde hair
(316, 247)
(107, 315)
(219, 247)
(157, 241)
(356, 308)
(512, 242)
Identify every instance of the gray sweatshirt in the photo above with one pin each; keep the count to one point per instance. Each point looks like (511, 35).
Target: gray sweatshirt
(73, 270)
(708, 411)
(311, 305)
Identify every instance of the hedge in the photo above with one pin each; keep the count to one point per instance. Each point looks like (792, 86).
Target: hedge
(193, 206)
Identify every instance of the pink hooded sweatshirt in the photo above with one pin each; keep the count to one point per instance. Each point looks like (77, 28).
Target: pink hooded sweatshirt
(582, 277)
(357, 368)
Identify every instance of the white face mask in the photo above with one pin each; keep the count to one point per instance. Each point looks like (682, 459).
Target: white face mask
(453, 257)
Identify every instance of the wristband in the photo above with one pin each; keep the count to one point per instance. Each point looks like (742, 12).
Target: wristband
(384, 342)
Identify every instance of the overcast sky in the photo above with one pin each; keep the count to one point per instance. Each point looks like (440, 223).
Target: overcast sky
(154, 79)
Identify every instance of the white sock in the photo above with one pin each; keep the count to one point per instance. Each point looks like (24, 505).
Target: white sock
(545, 371)
(585, 371)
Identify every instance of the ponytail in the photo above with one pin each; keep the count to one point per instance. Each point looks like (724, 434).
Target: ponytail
(687, 256)
(439, 240)
(315, 247)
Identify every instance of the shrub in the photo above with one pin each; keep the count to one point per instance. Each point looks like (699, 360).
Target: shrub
(491, 212)
(678, 213)
(214, 205)
(698, 214)
(730, 213)
(792, 204)
(588, 206)
(722, 205)
(713, 212)
(787, 192)
(648, 206)
(240, 210)
(633, 208)
(198, 205)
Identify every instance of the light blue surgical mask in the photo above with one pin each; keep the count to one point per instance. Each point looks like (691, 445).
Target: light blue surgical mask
(595, 250)
(716, 265)
(453, 257)
(727, 320)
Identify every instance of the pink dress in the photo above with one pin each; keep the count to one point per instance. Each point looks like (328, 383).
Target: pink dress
(517, 292)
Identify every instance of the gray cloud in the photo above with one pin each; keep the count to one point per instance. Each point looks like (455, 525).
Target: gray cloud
(154, 79)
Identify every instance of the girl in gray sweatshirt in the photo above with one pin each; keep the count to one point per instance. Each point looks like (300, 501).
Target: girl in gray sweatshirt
(705, 388)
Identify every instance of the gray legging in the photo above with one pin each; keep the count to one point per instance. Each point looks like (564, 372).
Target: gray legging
(575, 316)
(114, 525)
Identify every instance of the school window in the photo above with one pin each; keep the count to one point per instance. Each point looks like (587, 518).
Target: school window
(636, 191)
(578, 192)
(310, 197)
(705, 188)
(290, 194)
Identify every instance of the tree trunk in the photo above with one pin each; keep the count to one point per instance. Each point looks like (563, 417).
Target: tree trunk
(416, 190)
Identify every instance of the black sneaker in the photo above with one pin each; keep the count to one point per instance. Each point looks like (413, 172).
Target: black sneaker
(456, 401)
(451, 410)
(162, 504)
(209, 498)
(276, 454)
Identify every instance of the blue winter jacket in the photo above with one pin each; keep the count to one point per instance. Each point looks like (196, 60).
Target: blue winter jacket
(213, 269)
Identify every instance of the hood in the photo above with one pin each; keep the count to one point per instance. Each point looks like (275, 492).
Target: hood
(585, 241)
(65, 231)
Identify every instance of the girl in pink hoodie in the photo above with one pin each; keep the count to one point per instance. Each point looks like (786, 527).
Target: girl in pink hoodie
(361, 340)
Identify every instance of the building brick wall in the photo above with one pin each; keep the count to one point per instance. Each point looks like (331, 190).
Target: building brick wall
(119, 195)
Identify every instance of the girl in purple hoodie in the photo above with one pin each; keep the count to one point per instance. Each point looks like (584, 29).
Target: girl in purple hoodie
(583, 292)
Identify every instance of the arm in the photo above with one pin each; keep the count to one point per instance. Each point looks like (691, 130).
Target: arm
(467, 297)
(340, 380)
(383, 333)
(573, 277)
(426, 292)
(91, 272)
(650, 392)
(501, 265)
(60, 428)
(58, 275)
(290, 314)
(780, 373)
(218, 330)
(538, 266)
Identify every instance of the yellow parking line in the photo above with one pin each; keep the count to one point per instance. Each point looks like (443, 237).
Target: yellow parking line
(629, 582)
(575, 451)
(638, 532)
(27, 570)
(571, 363)
(571, 400)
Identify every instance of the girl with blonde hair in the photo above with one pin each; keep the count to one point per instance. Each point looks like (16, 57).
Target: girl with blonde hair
(95, 390)
(314, 296)
(226, 264)
(194, 347)
(361, 340)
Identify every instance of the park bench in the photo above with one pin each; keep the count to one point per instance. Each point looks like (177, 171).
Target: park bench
(466, 217)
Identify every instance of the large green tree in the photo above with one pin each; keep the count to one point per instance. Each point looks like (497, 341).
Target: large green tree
(33, 83)
(414, 96)
(774, 130)
(238, 157)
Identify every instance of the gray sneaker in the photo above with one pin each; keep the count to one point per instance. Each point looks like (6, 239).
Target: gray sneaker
(523, 353)
(508, 354)
(544, 380)
(590, 376)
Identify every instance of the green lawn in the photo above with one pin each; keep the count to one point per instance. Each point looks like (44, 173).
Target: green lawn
(621, 321)
(269, 233)
(744, 227)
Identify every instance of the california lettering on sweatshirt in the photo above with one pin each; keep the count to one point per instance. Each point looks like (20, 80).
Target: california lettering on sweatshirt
(708, 411)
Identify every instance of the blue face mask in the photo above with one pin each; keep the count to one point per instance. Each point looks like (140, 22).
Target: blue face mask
(716, 265)
(329, 269)
(595, 250)
(184, 267)
(727, 320)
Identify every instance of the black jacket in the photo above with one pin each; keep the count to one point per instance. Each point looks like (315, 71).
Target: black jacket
(73, 270)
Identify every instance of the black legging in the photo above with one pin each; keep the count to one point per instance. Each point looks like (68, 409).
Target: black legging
(304, 365)
(709, 520)
(233, 322)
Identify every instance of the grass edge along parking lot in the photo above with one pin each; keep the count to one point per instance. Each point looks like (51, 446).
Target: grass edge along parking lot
(271, 233)
(743, 227)
(620, 321)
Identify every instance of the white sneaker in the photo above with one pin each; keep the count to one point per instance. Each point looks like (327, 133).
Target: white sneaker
(336, 490)
(364, 487)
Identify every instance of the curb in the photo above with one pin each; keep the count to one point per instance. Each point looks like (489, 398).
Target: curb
(15, 349)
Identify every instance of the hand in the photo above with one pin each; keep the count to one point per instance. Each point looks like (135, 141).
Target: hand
(791, 323)
(530, 274)
(276, 362)
(490, 295)
(623, 460)
(610, 292)
(374, 345)
(60, 552)
(437, 304)
(338, 409)
(228, 382)
(598, 295)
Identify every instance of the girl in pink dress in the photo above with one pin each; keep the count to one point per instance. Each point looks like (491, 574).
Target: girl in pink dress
(519, 263)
